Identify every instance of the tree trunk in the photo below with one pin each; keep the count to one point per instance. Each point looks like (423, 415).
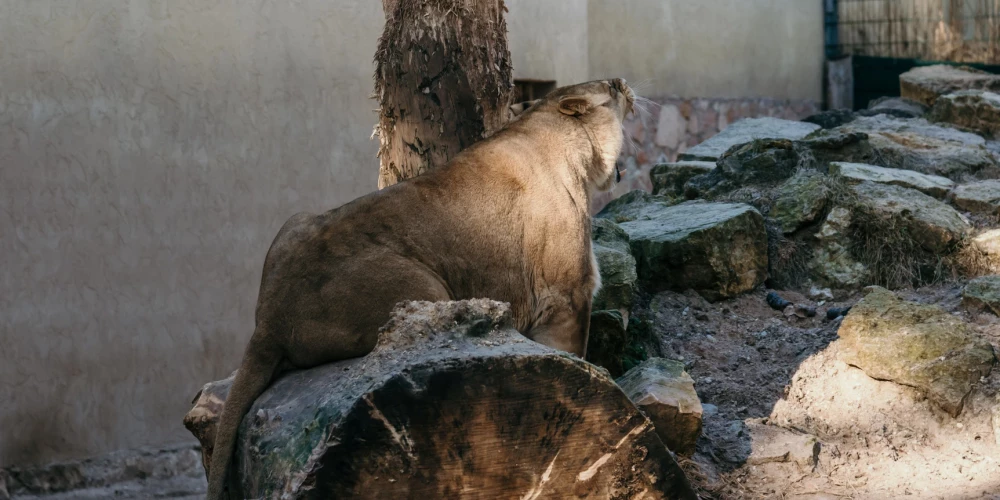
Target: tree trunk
(452, 403)
(442, 79)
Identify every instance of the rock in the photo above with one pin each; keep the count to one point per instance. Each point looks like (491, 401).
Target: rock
(970, 109)
(855, 173)
(837, 145)
(831, 118)
(980, 197)
(801, 200)
(766, 162)
(916, 345)
(717, 249)
(836, 312)
(669, 178)
(770, 444)
(988, 243)
(832, 263)
(708, 410)
(777, 302)
(617, 268)
(607, 341)
(747, 130)
(759, 162)
(926, 83)
(897, 106)
(665, 393)
(884, 124)
(920, 146)
(983, 293)
(633, 205)
(933, 224)
(805, 311)
(449, 378)
(817, 293)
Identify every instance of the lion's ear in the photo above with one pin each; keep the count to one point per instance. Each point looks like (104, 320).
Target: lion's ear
(521, 107)
(576, 105)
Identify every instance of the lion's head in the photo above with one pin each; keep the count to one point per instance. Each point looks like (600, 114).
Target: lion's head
(595, 108)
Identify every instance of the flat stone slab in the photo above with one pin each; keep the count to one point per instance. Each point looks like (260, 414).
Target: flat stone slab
(717, 249)
(977, 110)
(922, 146)
(616, 265)
(934, 224)
(747, 130)
(926, 83)
(855, 173)
(921, 346)
(665, 393)
(980, 197)
(983, 293)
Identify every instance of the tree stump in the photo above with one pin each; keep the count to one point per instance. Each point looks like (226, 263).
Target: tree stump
(452, 403)
(442, 79)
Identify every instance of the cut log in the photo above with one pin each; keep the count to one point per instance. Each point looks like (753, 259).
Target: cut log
(452, 403)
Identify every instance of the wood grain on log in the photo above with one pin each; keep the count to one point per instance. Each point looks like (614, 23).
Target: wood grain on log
(452, 403)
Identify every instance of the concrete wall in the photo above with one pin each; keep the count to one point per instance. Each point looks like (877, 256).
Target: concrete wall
(548, 40)
(710, 48)
(150, 150)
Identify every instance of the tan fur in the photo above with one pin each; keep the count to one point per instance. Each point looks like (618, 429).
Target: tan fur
(506, 219)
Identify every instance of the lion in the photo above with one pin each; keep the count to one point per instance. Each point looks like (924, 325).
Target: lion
(506, 219)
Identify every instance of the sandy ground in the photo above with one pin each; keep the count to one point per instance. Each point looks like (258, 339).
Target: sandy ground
(758, 369)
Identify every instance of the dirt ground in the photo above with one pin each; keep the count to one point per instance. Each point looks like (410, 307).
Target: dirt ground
(755, 368)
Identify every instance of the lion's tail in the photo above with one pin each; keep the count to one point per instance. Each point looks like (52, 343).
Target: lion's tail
(260, 362)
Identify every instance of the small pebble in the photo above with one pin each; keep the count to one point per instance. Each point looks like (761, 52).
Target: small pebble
(708, 410)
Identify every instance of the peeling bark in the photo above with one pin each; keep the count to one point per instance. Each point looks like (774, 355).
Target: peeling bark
(442, 79)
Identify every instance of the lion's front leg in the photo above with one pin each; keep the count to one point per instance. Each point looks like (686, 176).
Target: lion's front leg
(562, 321)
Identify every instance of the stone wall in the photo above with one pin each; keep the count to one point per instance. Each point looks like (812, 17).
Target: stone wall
(669, 126)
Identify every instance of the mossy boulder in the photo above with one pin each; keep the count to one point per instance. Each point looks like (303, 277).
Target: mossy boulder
(801, 200)
(617, 268)
(607, 341)
(669, 178)
(922, 346)
(932, 224)
(983, 293)
(979, 197)
(976, 110)
(717, 249)
(832, 263)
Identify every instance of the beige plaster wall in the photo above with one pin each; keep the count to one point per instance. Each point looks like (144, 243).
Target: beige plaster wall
(548, 40)
(710, 48)
(149, 152)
